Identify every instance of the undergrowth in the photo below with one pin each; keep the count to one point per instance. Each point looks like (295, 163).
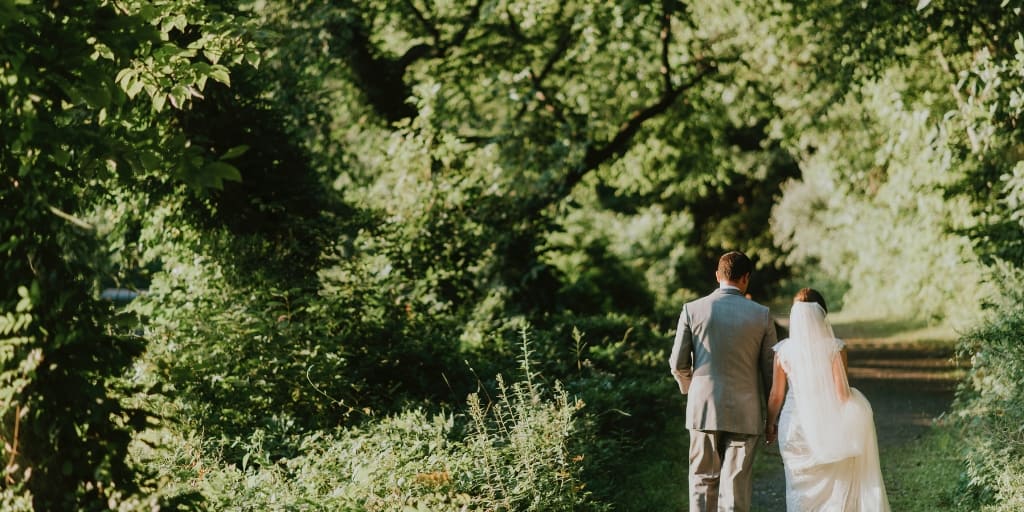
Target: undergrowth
(517, 450)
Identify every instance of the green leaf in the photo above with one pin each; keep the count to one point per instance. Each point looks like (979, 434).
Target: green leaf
(220, 74)
(123, 76)
(93, 87)
(102, 51)
(253, 58)
(158, 102)
(212, 55)
(25, 302)
(134, 88)
(201, 68)
(222, 170)
(147, 12)
(61, 156)
(179, 96)
(150, 160)
(234, 152)
(167, 25)
(96, 97)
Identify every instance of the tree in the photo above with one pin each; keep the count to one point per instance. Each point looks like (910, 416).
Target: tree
(517, 107)
(85, 86)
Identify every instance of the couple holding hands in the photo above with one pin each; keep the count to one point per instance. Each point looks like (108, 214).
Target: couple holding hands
(726, 360)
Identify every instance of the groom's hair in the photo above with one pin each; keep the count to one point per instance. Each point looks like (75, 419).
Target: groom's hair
(811, 295)
(734, 265)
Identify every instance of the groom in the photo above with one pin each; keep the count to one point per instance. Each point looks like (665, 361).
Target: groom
(722, 359)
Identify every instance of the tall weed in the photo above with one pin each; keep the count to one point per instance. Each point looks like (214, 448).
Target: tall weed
(512, 453)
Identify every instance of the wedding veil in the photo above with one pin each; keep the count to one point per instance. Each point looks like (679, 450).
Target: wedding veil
(831, 428)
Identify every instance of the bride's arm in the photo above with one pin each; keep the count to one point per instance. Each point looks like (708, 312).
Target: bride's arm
(839, 366)
(775, 398)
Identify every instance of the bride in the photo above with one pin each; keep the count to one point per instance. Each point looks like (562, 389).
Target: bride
(826, 431)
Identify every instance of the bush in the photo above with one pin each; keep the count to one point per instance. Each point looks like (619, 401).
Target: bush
(990, 411)
(243, 349)
(515, 453)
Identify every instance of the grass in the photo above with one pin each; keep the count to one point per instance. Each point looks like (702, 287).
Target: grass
(655, 478)
(924, 475)
(897, 331)
(921, 476)
(850, 326)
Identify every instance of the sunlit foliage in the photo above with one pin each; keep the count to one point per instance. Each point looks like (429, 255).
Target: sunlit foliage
(341, 215)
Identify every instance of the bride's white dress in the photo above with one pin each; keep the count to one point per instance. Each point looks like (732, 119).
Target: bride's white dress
(845, 476)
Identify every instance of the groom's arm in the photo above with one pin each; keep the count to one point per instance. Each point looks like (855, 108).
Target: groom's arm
(681, 360)
(768, 340)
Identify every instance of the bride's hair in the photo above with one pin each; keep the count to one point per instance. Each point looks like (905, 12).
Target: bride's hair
(810, 295)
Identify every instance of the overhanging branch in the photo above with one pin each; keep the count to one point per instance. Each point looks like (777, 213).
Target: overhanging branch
(381, 76)
(427, 25)
(471, 18)
(537, 80)
(595, 156)
(598, 154)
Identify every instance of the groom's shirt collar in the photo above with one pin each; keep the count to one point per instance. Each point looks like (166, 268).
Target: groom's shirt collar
(724, 286)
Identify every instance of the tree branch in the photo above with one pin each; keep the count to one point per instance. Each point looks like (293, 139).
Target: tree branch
(430, 28)
(440, 47)
(382, 77)
(471, 18)
(666, 39)
(517, 32)
(596, 155)
(379, 77)
(564, 42)
(414, 54)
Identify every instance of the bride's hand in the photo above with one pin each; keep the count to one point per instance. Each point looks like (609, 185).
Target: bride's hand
(771, 433)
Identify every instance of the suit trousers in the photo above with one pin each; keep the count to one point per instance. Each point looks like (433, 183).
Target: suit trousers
(721, 464)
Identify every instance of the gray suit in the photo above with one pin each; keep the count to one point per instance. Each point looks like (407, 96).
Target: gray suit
(722, 359)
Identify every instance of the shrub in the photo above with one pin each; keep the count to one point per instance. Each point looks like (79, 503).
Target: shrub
(990, 411)
(515, 453)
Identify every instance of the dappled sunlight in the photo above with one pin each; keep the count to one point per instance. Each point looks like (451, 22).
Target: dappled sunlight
(332, 222)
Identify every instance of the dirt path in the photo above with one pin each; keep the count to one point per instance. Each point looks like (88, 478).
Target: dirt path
(908, 385)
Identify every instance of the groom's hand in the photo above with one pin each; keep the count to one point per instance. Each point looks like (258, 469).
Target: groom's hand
(683, 379)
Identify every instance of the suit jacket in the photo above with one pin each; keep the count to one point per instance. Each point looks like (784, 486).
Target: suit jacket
(722, 359)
